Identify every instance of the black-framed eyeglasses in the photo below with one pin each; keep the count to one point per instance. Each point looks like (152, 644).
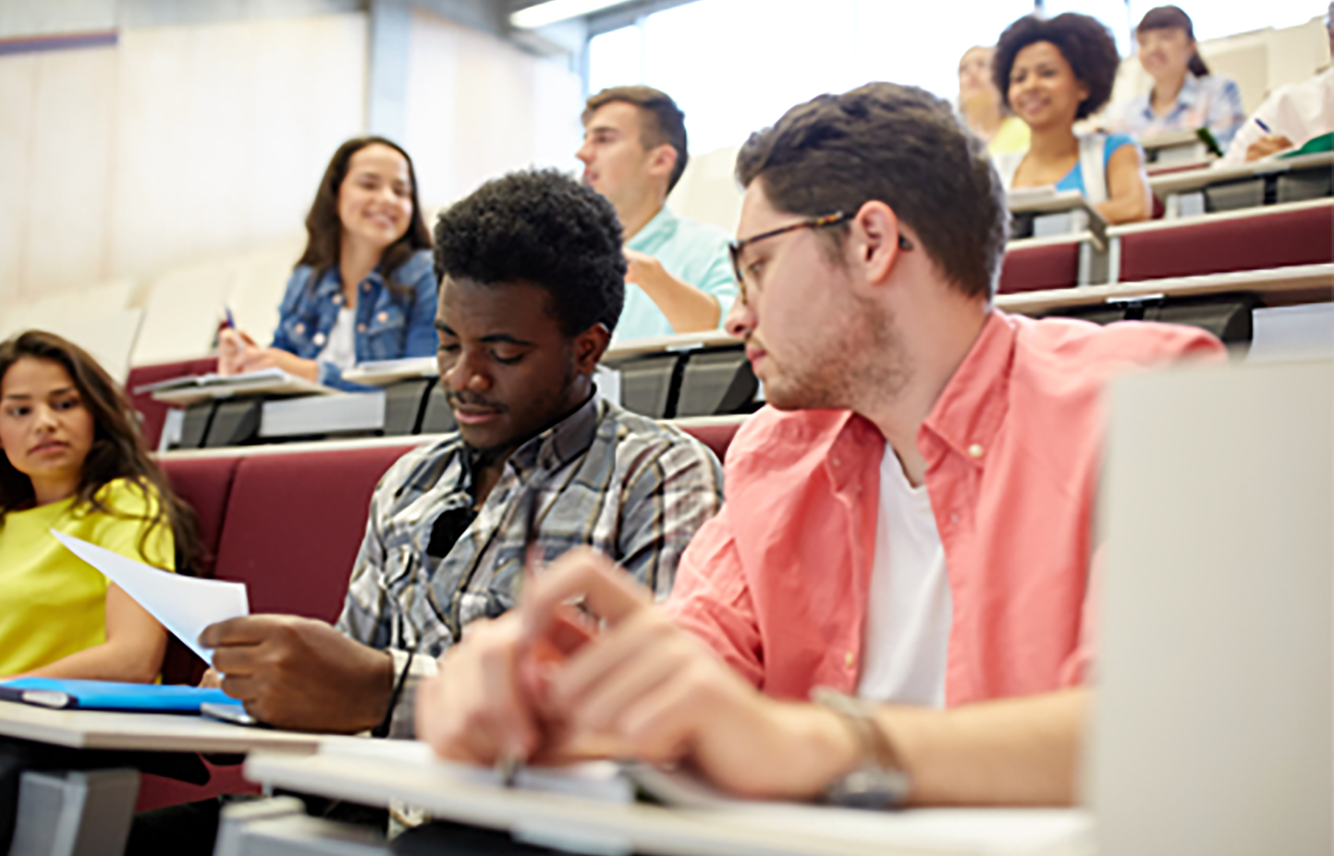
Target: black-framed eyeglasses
(735, 248)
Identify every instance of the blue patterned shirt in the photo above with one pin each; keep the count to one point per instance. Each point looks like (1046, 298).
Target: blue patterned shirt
(1211, 102)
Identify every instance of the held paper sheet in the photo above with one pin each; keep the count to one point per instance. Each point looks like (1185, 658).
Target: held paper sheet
(184, 605)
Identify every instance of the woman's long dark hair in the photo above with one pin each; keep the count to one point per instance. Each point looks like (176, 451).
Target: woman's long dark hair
(324, 230)
(1168, 17)
(118, 450)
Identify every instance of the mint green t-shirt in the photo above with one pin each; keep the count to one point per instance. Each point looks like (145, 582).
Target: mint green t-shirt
(693, 252)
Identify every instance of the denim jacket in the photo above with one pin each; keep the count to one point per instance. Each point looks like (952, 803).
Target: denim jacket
(389, 326)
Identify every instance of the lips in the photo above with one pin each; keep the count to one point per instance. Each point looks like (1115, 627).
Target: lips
(473, 414)
(48, 447)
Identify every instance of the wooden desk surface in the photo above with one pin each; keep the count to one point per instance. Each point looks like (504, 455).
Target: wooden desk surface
(761, 828)
(1285, 286)
(1185, 182)
(155, 732)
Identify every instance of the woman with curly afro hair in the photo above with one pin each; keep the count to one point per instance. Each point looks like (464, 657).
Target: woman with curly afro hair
(1052, 73)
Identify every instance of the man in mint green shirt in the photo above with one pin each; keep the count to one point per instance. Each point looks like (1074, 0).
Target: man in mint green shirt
(679, 278)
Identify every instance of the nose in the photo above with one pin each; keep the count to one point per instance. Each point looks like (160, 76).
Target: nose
(740, 319)
(466, 374)
(585, 153)
(44, 417)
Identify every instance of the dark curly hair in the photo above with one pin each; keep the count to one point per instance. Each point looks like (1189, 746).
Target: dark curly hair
(1084, 42)
(902, 146)
(118, 450)
(541, 227)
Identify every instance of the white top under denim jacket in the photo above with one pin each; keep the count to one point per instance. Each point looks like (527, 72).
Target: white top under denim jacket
(389, 325)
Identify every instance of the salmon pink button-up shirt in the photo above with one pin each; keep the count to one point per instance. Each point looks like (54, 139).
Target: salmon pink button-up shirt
(778, 582)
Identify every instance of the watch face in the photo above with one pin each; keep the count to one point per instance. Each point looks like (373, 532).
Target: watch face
(869, 788)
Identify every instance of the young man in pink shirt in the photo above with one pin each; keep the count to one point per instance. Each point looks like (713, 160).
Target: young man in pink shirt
(907, 538)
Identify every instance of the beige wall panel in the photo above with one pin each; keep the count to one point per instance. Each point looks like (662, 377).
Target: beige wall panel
(151, 221)
(228, 128)
(478, 108)
(68, 171)
(18, 82)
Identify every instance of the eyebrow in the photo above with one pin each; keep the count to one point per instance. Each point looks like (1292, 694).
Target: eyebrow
(504, 338)
(24, 396)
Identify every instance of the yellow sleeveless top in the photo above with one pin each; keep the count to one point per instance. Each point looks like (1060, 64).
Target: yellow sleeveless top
(52, 604)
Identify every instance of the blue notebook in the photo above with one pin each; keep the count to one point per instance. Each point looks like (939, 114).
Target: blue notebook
(110, 695)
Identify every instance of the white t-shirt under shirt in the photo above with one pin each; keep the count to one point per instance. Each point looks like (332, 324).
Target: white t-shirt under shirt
(910, 610)
(341, 349)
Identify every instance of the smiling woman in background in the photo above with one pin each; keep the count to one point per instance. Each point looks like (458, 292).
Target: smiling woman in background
(1185, 96)
(1054, 73)
(74, 461)
(981, 107)
(365, 287)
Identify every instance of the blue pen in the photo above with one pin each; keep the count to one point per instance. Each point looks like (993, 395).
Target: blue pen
(231, 322)
(1263, 126)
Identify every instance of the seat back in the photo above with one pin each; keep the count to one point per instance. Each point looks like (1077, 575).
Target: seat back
(152, 413)
(204, 484)
(1037, 268)
(716, 435)
(1265, 239)
(294, 523)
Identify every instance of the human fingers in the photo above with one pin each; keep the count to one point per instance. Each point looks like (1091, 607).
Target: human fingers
(236, 661)
(245, 630)
(210, 680)
(475, 710)
(625, 657)
(585, 573)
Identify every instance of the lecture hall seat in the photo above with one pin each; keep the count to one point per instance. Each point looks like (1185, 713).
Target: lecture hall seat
(1265, 239)
(154, 413)
(1039, 268)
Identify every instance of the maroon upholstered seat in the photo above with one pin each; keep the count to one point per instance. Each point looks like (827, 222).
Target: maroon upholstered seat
(204, 484)
(154, 413)
(1266, 239)
(1038, 268)
(294, 523)
(717, 436)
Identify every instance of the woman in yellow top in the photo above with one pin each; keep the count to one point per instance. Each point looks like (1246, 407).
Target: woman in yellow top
(75, 461)
(982, 107)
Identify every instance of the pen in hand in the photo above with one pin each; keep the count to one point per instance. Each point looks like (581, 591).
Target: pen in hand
(509, 763)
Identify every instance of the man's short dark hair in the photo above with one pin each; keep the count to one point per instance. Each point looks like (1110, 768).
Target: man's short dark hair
(899, 145)
(543, 228)
(1084, 42)
(663, 122)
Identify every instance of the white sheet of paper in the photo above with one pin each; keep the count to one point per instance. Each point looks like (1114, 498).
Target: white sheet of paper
(184, 605)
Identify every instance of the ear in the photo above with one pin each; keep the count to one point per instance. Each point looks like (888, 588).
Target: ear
(1083, 91)
(874, 241)
(588, 348)
(661, 161)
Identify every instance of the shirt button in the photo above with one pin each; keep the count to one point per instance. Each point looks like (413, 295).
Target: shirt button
(361, 328)
(337, 299)
(365, 286)
(848, 659)
(318, 338)
(300, 328)
(975, 450)
(382, 317)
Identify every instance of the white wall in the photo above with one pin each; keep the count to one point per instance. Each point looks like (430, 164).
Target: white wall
(478, 107)
(177, 143)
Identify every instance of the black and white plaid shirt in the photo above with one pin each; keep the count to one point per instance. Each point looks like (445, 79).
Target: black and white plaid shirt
(631, 487)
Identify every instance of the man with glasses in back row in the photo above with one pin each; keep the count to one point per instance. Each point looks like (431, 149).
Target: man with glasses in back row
(907, 539)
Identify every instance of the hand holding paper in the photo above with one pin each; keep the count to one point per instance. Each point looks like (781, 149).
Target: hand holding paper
(184, 605)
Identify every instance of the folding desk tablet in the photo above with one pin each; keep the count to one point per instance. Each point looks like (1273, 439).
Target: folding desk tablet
(89, 813)
(585, 825)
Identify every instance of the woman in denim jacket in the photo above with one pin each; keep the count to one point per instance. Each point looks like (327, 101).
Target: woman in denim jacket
(365, 287)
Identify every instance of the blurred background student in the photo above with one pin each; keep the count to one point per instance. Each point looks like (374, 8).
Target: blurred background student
(74, 461)
(1185, 96)
(981, 105)
(365, 287)
(1053, 73)
(1294, 116)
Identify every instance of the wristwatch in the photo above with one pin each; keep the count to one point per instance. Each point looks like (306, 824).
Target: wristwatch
(879, 781)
